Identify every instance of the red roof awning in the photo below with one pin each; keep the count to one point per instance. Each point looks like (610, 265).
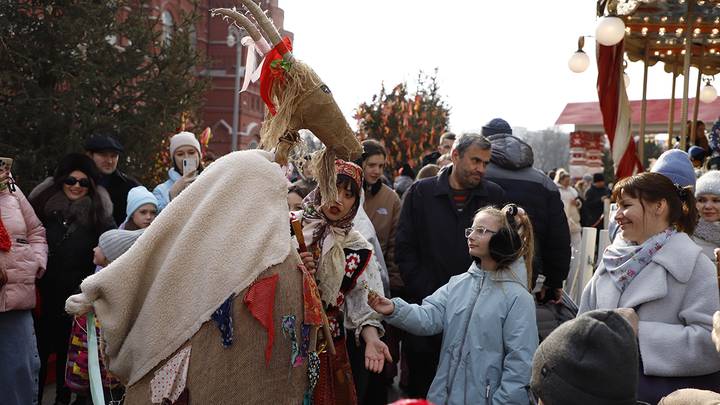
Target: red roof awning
(588, 114)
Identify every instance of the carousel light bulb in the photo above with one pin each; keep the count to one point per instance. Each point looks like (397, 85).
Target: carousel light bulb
(626, 79)
(579, 62)
(610, 31)
(708, 94)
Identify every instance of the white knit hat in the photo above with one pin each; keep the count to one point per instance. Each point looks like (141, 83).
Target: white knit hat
(115, 242)
(184, 139)
(708, 183)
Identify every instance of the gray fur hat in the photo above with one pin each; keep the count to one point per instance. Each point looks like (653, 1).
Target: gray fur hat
(708, 183)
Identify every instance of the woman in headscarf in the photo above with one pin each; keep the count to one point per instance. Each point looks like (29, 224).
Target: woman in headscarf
(340, 259)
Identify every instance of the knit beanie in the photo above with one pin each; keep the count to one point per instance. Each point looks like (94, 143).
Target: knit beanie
(115, 242)
(496, 126)
(708, 183)
(592, 359)
(675, 165)
(184, 139)
(137, 197)
(697, 153)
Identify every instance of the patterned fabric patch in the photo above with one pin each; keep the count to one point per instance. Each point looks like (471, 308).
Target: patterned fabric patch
(169, 381)
(313, 377)
(223, 318)
(288, 329)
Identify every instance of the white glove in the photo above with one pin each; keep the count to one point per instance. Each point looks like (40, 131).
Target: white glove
(78, 304)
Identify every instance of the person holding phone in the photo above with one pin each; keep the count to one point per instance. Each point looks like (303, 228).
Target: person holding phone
(23, 258)
(187, 164)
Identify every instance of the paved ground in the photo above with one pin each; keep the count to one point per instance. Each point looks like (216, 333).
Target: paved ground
(394, 394)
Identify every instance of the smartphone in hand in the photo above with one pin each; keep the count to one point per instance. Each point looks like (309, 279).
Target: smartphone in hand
(189, 166)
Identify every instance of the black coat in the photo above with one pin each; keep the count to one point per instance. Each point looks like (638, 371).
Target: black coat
(118, 184)
(538, 195)
(430, 244)
(511, 168)
(71, 236)
(593, 207)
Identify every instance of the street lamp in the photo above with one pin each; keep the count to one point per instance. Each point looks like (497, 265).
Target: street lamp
(233, 40)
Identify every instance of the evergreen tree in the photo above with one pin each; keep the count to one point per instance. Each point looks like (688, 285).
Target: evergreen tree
(409, 125)
(71, 68)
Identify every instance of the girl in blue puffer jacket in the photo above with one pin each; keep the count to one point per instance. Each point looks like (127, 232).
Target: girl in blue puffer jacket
(486, 315)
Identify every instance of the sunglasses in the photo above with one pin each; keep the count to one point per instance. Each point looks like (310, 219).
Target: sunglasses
(71, 181)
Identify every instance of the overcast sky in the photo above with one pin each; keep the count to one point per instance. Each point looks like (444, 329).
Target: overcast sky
(495, 58)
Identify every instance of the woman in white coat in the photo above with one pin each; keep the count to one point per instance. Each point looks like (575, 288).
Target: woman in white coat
(655, 268)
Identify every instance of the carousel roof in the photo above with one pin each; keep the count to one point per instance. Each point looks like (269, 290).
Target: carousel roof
(663, 26)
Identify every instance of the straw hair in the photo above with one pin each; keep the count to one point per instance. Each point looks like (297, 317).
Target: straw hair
(323, 165)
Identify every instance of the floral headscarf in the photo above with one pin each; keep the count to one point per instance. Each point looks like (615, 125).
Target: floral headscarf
(330, 236)
(312, 204)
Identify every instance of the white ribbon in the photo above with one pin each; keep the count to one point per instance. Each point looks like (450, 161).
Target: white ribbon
(252, 68)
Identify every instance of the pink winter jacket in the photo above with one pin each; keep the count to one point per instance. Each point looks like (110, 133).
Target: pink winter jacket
(27, 257)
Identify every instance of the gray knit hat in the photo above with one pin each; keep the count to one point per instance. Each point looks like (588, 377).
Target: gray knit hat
(592, 359)
(115, 242)
(708, 183)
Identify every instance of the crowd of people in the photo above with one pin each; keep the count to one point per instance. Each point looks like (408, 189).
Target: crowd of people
(454, 261)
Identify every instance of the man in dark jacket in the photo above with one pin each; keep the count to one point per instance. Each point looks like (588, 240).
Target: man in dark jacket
(594, 205)
(431, 246)
(511, 168)
(105, 151)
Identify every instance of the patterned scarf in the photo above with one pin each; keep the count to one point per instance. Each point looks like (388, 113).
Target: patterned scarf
(624, 261)
(330, 235)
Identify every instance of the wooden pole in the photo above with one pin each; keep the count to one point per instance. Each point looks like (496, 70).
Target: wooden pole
(643, 113)
(686, 73)
(671, 120)
(697, 98)
(695, 109)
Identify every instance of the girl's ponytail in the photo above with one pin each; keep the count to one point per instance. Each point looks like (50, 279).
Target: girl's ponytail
(525, 230)
(689, 218)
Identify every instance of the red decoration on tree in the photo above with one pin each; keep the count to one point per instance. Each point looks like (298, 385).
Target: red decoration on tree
(260, 300)
(272, 70)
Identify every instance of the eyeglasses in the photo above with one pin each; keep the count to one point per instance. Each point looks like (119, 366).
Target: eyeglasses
(481, 230)
(71, 181)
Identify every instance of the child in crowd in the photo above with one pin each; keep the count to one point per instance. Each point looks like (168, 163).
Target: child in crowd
(486, 315)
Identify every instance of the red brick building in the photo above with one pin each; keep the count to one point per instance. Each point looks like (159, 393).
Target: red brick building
(211, 39)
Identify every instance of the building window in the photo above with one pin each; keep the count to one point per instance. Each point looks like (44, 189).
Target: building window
(167, 27)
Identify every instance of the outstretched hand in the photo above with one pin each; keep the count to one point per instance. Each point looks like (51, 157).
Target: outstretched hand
(376, 353)
(381, 304)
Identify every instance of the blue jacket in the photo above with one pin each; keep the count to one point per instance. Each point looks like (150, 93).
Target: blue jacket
(489, 336)
(162, 191)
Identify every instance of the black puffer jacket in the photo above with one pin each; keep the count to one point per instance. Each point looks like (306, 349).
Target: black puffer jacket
(511, 168)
